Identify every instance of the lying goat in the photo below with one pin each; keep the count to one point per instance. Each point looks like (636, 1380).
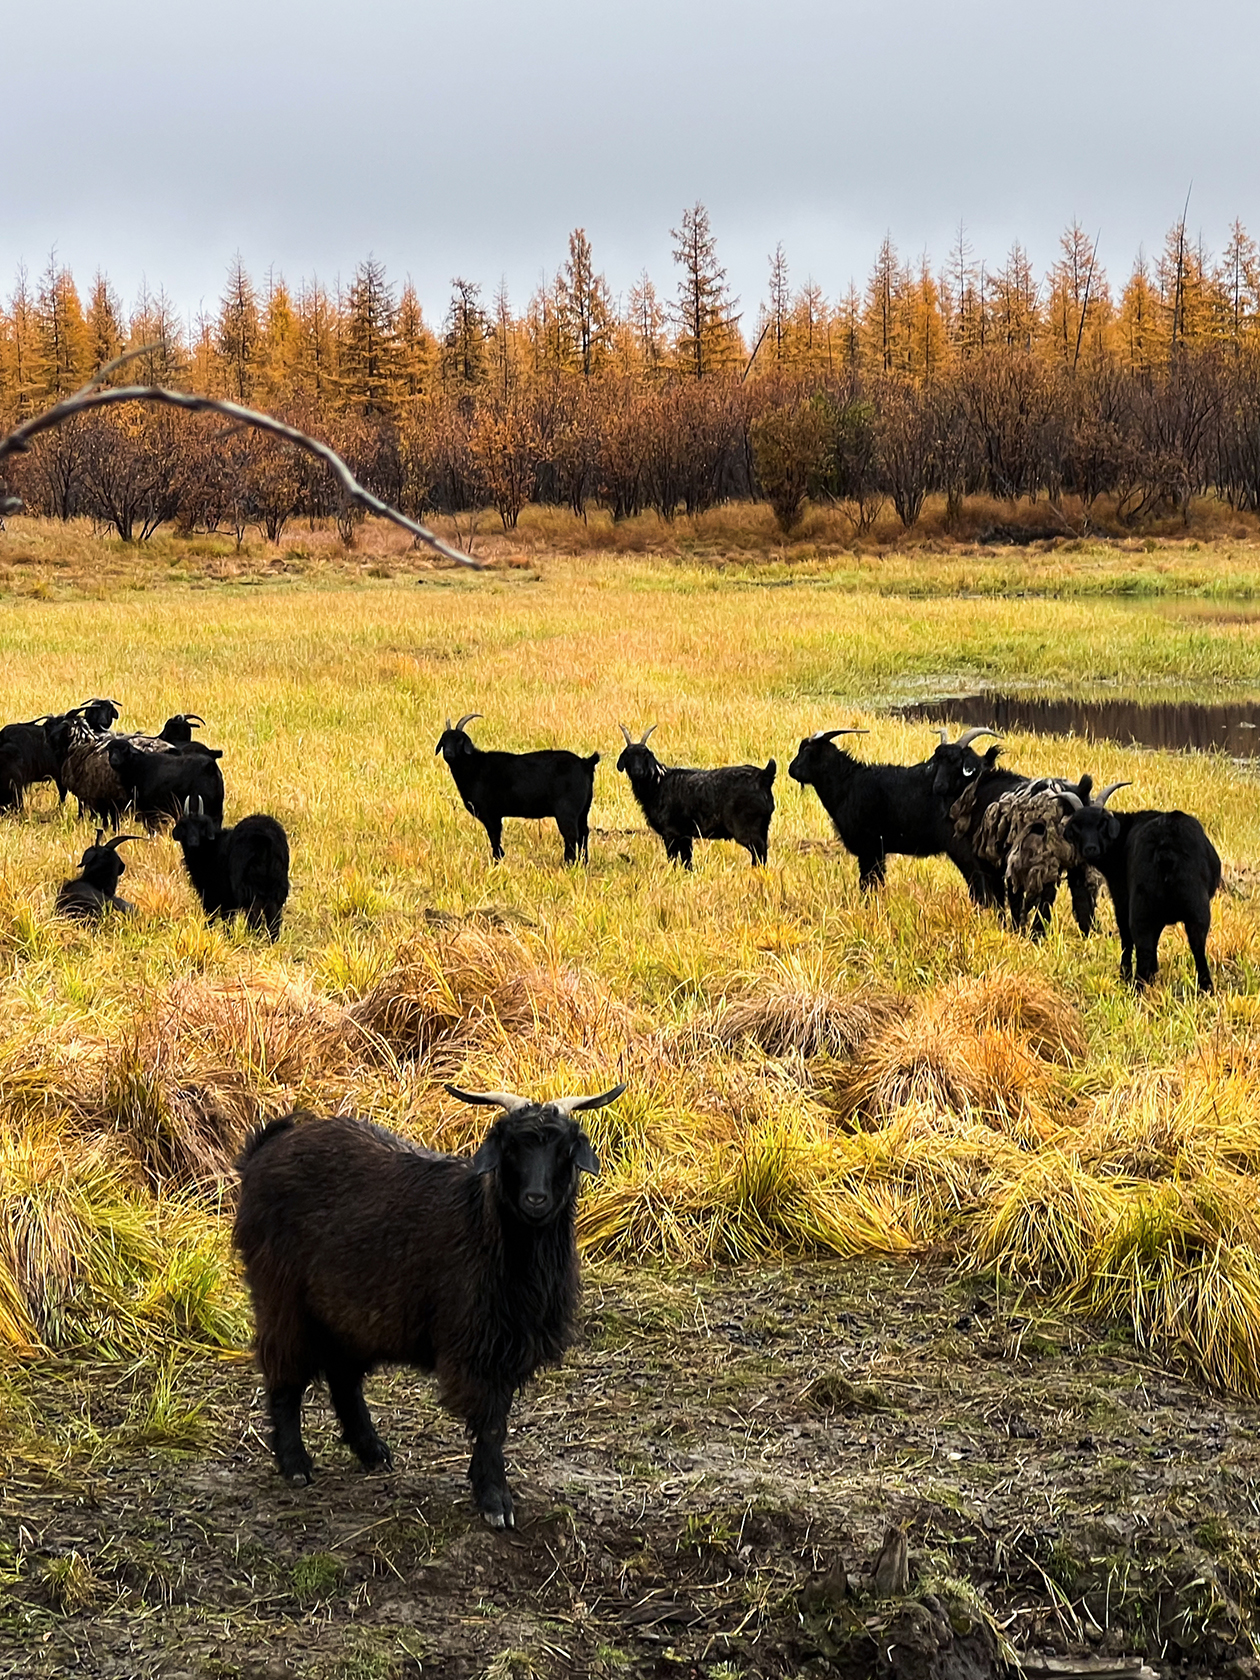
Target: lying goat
(361, 1248)
(1160, 868)
(494, 785)
(95, 888)
(732, 803)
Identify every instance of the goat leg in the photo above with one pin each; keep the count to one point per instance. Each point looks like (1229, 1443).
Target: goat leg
(286, 1438)
(1084, 890)
(1196, 933)
(486, 1470)
(345, 1390)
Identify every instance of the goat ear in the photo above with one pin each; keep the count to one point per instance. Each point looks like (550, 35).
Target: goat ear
(490, 1156)
(584, 1157)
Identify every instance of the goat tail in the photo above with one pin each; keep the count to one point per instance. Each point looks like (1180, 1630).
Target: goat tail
(262, 1135)
(768, 774)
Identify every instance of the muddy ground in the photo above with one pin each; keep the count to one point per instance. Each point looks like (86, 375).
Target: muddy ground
(715, 1484)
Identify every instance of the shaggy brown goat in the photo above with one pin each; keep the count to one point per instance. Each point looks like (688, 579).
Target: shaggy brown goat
(361, 1247)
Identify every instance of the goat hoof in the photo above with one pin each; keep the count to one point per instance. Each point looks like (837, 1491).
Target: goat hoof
(495, 1519)
(298, 1478)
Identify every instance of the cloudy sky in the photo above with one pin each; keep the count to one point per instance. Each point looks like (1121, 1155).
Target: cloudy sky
(155, 138)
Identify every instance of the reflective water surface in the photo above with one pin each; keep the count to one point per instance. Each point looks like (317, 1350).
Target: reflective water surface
(1173, 725)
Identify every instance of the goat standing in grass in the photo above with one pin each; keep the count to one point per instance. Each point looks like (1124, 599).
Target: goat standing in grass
(361, 1248)
(876, 809)
(549, 783)
(1160, 869)
(734, 802)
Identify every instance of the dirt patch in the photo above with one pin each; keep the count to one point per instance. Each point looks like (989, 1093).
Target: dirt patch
(837, 1469)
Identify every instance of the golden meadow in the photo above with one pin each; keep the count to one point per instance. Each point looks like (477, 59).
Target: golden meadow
(808, 1071)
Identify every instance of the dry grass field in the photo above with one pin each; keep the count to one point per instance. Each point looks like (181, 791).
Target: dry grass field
(859, 1134)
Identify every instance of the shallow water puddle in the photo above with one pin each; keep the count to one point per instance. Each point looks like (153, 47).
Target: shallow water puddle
(1175, 726)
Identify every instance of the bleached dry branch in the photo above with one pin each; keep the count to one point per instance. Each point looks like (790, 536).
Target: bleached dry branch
(92, 396)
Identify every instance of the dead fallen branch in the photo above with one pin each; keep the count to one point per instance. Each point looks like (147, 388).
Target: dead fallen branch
(92, 396)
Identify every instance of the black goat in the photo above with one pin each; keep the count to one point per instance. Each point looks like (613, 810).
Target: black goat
(360, 1248)
(731, 803)
(159, 784)
(178, 730)
(95, 888)
(880, 808)
(493, 785)
(244, 868)
(26, 758)
(1160, 868)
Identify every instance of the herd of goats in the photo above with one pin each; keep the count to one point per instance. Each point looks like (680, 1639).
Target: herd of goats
(1012, 837)
(361, 1247)
(155, 779)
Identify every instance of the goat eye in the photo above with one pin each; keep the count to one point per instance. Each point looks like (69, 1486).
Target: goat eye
(969, 769)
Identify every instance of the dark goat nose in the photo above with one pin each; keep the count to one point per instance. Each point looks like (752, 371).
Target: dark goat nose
(535, 1199)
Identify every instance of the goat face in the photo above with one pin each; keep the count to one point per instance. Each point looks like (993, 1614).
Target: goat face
(957, 767)
(453, 744)
(1093, 831)
(640, 763)
(195, 827)
(538, 1154)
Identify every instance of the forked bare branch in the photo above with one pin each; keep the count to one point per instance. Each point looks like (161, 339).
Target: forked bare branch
(92, 396)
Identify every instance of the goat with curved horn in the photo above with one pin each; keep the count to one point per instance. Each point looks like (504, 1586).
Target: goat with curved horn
(1160, 868)
(505, 1100)
(95, 889)
(877, 809)
(970, 735)
(551, 782)
(1112, 787)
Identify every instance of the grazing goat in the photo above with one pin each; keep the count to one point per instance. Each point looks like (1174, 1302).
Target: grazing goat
(731, 803)
(876, 809)
(159, 784)
(95, 889)
(971, 785)
(26, 758)
(360, 1248)
(494, 785)
(1160, 868)
(244, 868)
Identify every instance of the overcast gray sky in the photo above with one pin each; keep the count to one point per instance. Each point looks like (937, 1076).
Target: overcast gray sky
(155, 138)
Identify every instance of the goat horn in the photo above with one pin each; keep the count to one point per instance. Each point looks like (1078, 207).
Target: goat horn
(119, 838)
(969, 735)
(100, 837)
(490, 1099)
(1107, 792)
(642, 741)
(1076, 803)
(467, 718)
(568, 1105)
(192, 717)
(626, 733)
(830, 734)
(201, 806)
